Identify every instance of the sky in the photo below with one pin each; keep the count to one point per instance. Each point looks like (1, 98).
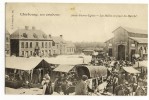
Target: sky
(74, 22)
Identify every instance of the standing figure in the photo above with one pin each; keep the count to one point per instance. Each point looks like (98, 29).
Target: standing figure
(43, 83)
(81, 86)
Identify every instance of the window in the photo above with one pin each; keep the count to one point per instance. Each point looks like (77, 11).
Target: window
(44, 36)
(35, 35)
(43, 52)
(30, 44)
(110, 52)
(22, 44)
(22, 53)
(7, 52)
(36, 43)
(24, 35)
(7, 39)
(46, 45)
(54, 52)
(49, 44)
(57, 46)
(31, 53)
(53, 43)
(42, 44)
(49, 51)
(7, 46)
(26, 44)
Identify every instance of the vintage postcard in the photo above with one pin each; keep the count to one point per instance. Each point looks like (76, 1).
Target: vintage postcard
(76, 49)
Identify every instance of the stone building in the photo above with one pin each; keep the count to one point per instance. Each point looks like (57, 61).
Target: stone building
(59, 46)
(7, 44)
(33, 42)
(29, 42)
(70, 47)
(127, 42)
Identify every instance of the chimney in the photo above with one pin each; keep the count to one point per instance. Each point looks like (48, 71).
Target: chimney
(50, 36)
(61, 36)
(33, 28)
(26, 27)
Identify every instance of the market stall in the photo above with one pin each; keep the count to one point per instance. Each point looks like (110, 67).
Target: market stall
(19, 70)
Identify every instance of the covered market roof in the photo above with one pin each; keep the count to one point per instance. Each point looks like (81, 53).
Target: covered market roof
(140, 40)
(64, 68)
(131, 70)
(22, 63)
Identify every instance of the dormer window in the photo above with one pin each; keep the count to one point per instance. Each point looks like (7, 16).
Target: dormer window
(24, 35)
(35, 35)
(44, 36)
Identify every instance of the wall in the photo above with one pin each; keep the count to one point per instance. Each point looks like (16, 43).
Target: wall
(29, 49)
(7, 45)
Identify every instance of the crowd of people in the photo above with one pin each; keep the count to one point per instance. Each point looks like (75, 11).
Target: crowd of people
(117, 82)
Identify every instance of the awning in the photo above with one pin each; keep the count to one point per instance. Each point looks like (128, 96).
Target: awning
(64, 68)
(140, 64)
(131, 70)
(140, 40)
(63, 60)
(143, 63)
(22, 63)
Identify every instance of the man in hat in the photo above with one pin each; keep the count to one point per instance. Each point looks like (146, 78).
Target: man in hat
(81, 86)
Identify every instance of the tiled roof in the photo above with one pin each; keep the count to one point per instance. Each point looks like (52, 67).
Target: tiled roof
(140, 40)
(58, 39)
(29, 34)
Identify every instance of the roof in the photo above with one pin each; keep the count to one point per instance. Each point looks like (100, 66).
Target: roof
(133, 30)
(140, 40)
(70, 44)
(109, 39)
(58, 39)
(131, 70)
(95, 71)
(63, 60)
(22, 63)
(64, 68)
(29, 34)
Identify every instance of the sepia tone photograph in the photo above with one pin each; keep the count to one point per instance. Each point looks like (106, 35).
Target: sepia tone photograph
(89, 49)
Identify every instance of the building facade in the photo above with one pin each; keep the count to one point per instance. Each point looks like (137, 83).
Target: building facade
(70, 47)
(33, 42)
(7, 44)
(127, 42)
(30, 42)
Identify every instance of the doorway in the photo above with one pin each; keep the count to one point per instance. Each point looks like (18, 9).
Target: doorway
(121, 52)
(132, 53)
(110, 52)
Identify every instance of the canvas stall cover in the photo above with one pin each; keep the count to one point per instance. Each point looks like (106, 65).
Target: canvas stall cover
(131, 70)
(64, 68)
(21, 63)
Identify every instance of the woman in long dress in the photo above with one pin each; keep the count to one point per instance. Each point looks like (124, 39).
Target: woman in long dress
(43, 83)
